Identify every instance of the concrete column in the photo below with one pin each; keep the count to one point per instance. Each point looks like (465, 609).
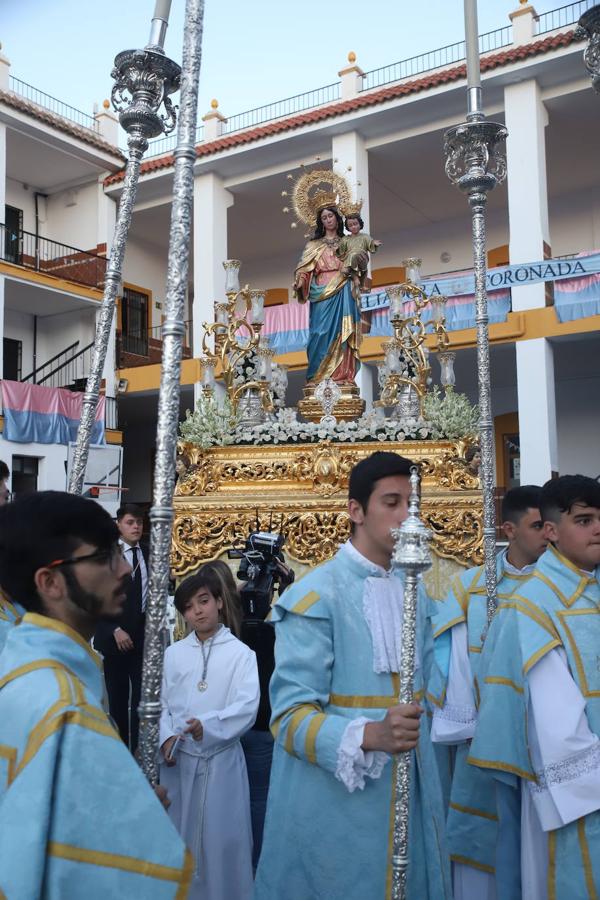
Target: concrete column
(351, 78)
(523, 21)
(351, 159)
(365, 381)
(108, 124)
(213, 122)
(211, 202)
(537, 410)
(526, 119)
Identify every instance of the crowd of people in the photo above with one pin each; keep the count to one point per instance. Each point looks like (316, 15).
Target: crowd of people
(503, 730)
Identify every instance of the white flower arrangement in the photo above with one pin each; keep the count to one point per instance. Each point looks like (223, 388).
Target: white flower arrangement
(451, 415)
(447, 416)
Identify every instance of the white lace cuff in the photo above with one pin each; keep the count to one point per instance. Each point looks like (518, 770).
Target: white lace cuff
(453, 723)
(569, 789)
(355, 764)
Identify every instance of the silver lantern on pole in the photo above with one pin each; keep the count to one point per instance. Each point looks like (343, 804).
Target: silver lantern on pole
(144, 80)
(412, 555)
(173, 332)
(475, 160)
(589, 27)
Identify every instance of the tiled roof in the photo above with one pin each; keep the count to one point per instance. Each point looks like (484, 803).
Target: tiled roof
(44, 115)
(372, 98)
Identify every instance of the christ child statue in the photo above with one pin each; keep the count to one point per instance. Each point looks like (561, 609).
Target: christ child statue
(354, 250)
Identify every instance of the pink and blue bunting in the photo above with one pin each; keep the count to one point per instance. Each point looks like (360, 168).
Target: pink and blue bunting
(37, 414)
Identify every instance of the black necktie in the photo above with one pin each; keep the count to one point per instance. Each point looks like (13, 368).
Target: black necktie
(137, 578)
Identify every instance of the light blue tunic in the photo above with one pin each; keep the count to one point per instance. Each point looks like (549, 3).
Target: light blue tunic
(483, 824)
(10, 615)
(559, 606)
(78, 820)
(320, 840)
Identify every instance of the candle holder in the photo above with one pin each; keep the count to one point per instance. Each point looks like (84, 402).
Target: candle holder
(407, 372)
(236, 341)
(589, 26)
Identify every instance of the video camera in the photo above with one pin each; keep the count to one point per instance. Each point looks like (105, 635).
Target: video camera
(263, 568)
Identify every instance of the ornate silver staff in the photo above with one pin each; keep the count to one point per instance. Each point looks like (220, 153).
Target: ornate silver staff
(589, 26)
(148, 76)
(411, 553)
(173, 331)
(476, 162)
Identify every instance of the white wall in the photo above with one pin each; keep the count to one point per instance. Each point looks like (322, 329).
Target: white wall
(55, 333)
(146, 269)
(52, 461)
(72, 217)
(19, 327)
(575, 221)
(21, 197)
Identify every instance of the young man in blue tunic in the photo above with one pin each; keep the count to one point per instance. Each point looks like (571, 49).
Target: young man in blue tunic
(77, 817)
(539, 716)
(338, 724)
(483, 820)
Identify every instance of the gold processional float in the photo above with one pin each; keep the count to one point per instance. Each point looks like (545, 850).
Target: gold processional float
(245, 463)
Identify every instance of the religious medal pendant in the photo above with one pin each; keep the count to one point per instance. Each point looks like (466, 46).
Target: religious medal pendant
(202, 685)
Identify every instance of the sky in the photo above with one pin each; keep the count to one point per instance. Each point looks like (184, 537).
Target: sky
(253, 52)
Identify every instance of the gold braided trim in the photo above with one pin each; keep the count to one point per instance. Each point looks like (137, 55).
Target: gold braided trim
(502, 767)
(363, 701)
(310, 741)
(457, 621)
(539, 654)
(296, 719)
(47, 727)
(10, 755)
(587, 862)
(536, 615)
(116, 861)
(305, 604)
(61, 628)
(497, 679)
(466, 861)
(471, 811)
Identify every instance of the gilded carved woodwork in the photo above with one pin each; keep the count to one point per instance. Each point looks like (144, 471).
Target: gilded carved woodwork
(225, 492)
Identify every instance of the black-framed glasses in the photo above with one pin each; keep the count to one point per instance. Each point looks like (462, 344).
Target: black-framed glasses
(111, 556)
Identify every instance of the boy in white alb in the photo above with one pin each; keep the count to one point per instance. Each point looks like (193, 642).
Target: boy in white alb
(210, 697)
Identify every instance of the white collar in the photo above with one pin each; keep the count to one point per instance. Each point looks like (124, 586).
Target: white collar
(357, 556)
(512, 570)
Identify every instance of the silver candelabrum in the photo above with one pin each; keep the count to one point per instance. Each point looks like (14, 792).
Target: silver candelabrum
(475, 159)
(412, 555)
(173, 332)
(589, 27)
(144, 81)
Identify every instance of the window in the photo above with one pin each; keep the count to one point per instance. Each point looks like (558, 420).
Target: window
(12, 357)
(24, 475)
(13, 234)
(134, 321)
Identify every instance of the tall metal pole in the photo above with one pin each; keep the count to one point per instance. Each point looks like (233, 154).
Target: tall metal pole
(411, 553)
(173, 331)
(148, 77)
(475, 160)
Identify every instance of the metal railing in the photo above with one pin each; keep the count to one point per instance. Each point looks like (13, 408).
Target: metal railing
(162, 146)
(156, 333)
(434, 59)
(562, 16)
(64, 110)
(22, 248)
(135, 343)
(65, 369)
(282, 108)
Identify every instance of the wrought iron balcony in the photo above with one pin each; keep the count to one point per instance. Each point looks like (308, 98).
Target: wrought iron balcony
(31, 251)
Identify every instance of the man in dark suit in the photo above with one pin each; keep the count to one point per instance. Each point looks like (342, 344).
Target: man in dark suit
(121, 640)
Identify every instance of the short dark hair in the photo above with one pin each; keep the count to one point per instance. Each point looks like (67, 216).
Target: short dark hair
(358, 219)
(4, 471)
(130, 509)
(212, 579)
(560, 494)
(39, 528)
(365, 474)
(518, 500)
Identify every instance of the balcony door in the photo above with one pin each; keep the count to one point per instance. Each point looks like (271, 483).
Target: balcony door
(13, 234)
(134, 322)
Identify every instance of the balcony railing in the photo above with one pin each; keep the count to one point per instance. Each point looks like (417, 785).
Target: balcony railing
(156, 333)
(68, 368)
(22, 248)
(563, 16)
(435, 59)
(64, 110)
(147, 347)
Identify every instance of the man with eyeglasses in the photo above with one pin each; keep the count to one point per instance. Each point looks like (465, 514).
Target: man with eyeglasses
(77, 818)
(121, 640)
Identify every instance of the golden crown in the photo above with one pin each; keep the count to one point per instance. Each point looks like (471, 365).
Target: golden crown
(315, 190)
(352, 209)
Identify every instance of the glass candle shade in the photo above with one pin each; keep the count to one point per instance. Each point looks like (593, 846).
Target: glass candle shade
(438, 307)
(396, 298)
(257, 301)
(413, 269)
(447, 376)
(232, 275)
(208, 372)
(221, 313)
